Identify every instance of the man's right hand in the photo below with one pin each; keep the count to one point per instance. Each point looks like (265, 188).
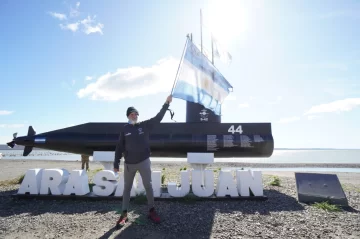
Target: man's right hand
(116, 170)
(169, 99)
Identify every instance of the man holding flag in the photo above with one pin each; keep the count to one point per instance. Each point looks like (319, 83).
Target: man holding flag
(134, 144)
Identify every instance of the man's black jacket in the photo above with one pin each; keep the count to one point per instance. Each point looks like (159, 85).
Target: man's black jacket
(134, 140)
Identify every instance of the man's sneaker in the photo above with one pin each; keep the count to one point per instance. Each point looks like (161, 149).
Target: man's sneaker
(153, 216)
(122, 220)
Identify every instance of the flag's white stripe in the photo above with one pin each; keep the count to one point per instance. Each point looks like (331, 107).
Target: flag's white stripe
(192, 75)
(188, 92)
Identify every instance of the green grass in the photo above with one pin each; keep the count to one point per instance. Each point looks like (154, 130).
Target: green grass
(14, 181)
(350, 188)
(327, 206)
(275, 181)
(163, 179)
(96, 170)
(140, 198)
(189, 199)
(91, 185)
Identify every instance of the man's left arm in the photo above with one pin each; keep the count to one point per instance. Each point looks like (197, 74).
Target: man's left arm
(149, 124)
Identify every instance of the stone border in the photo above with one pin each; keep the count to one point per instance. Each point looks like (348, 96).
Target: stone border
(163, 197)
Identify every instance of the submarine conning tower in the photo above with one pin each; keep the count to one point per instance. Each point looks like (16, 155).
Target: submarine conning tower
(197, 113)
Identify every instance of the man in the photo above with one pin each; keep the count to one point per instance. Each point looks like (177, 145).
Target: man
(85, 160)
(134, 145)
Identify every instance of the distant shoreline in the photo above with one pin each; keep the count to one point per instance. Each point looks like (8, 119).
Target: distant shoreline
(19, 147)
(216, 164)
(14, 168)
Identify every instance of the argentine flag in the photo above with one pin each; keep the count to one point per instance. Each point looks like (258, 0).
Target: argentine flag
(199, 81)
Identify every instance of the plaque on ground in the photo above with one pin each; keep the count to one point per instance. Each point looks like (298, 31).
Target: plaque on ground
(318, 187)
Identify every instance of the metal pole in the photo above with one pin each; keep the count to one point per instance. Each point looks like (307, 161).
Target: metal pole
(201, 41)
(177, 73)
(212, 50)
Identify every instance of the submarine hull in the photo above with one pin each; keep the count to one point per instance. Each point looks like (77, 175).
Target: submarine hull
(166, 139)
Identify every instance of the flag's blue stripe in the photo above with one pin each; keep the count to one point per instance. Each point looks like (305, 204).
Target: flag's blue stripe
(194, 56)
(188, 92)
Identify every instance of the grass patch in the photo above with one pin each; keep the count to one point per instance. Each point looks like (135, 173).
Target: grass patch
(17, 180)
(275, 181)
(91, 185)
(140, 198)
(327, 206)
(189, 199)
(350, 188)
(96, 170)
(163, 179)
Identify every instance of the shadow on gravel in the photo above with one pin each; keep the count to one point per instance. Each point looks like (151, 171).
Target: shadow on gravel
(277, 201)
(195, 219)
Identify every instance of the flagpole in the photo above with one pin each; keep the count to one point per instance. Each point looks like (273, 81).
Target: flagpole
(201, 40)
(181, 60)
(212, 50)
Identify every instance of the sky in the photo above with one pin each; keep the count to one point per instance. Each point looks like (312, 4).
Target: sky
(295, 64)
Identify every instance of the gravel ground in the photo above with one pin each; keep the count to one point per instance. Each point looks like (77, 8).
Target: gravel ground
(281, 216)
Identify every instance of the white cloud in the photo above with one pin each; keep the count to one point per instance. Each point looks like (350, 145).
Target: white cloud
(244, 105)
(289, 120)
(90, 26)
(71, 26)
(335, 106)
(59, 16)
(132, 82)
(74, 12)
(88, 78)
(6, 112)
(11, 125)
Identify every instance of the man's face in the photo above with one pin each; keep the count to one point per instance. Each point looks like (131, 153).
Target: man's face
(133, 117)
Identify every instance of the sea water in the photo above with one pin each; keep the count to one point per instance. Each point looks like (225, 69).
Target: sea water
(292, 156)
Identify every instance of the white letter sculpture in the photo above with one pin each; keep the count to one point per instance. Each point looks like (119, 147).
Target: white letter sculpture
(105, 183)
(205, 190)
(226, 185)
(54, 181)
(155, 180)
(184, 189)
(31, 182)
(249, 180)
(120, 187)
(78, 183)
